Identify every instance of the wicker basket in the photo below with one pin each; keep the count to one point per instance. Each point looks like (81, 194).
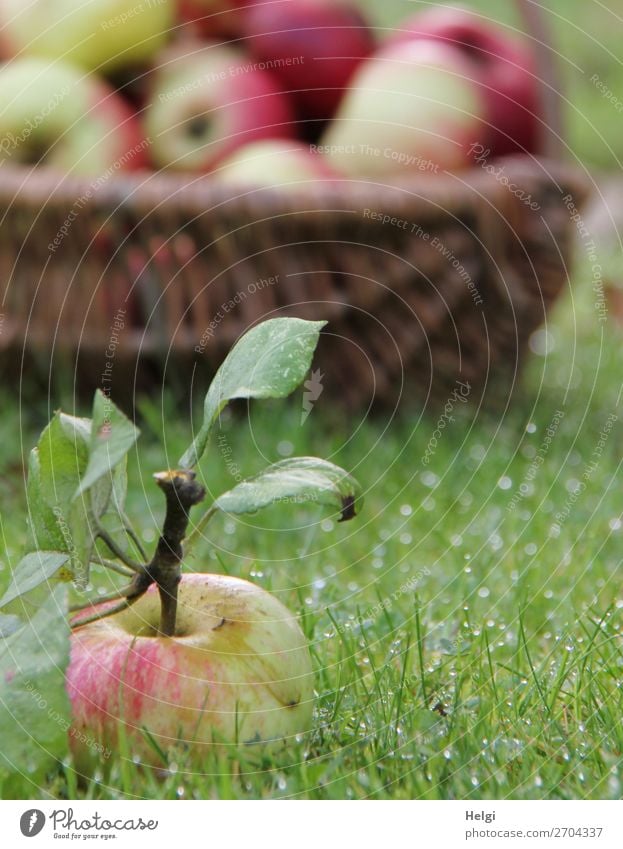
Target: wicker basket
(426, 283)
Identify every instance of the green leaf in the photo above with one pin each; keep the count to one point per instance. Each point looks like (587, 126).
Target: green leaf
(34, 569)
(9, 624)
(269, 361)
(34, 707)
(111, 436)
(295, 479)
(63, 457)
(46, 531)
(78, 476)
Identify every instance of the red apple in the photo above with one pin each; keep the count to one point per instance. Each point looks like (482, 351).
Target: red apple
(313, 46)
(412, 106)
(238, 671)
(207, 101)
(213, 18)
(273, 163)
(504, 68)
(55, 115)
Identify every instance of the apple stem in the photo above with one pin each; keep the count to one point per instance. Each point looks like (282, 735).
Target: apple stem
(182, 491)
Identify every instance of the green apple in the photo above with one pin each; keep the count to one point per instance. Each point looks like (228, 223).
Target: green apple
(97, 34)
(237, 671)
(54, 115)
(273, 163)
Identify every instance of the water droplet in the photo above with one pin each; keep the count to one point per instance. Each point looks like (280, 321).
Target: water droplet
(505, 482)
(531, 549)
(484, 592)
(542, 342)
(406, 510)
(406, 539)
(615, 524)
(429, 479)
(456, 540)
(285, 448)
(531, 427)
(327, 525)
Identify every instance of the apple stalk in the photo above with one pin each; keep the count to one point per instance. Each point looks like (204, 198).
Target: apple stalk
(182, 491)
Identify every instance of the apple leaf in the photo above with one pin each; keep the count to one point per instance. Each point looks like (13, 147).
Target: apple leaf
(34, 707)
(34, 569)
(111, 436)
(77, 476)
(296, 479)
(269, 361)
(9, 624)
(46, 531)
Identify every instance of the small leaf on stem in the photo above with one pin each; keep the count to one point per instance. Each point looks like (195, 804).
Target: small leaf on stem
(269, 361)
(295, 479)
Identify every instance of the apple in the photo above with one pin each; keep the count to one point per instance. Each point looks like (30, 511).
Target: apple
(504, 67)
(413, 105)
(273, 163)
(207, 101)
(237, 670)
(313, 46)
(213, 18)
(99, 34)
(54, 115)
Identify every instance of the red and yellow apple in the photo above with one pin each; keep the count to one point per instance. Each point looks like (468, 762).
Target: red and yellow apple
(55, 115)
(237, 672)
(503, 66)
(274, 163)
(313, 46)
(208, 100)
(412, 105)
(98, 34)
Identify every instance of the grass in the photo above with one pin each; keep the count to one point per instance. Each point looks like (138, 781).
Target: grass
(464, 648)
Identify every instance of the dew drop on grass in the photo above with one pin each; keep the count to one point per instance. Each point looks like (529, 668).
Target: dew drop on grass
(406, 510)
(531, 427)
(484, 592)
(548, 594)
(530, 549)
(377, 563)
(285, 448)
(505, 482)
(320, 584)
(327, 525)
(468, 570)
(456, 540)
(429, 479)
(428, 504)
(148, 535)
(229, 527)
(406, 539)
(615, 524)
(180, 792)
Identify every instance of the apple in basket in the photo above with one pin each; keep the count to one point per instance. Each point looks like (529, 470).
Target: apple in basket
(313, 46)
(411, 106)
(55, 115)
(273, 163)
(99, 34)
(208, 100)
(213, 18)
(504, 68)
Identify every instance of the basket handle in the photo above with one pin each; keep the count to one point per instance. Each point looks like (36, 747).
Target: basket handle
(547, 70)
